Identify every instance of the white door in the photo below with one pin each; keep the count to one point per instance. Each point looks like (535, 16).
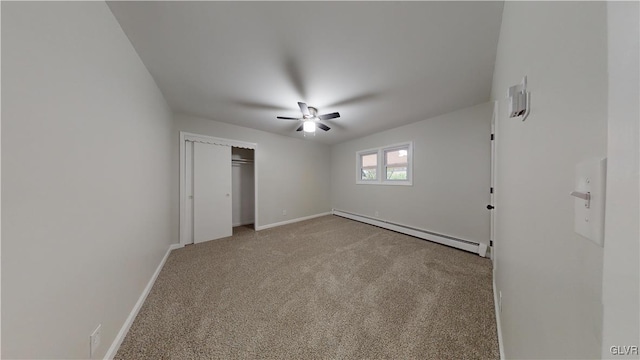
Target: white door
(211, 192)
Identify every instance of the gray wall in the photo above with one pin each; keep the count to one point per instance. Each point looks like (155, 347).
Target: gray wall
(549, 276)
(451, 175)
(293, 174)
(621, 273)
(86, 178)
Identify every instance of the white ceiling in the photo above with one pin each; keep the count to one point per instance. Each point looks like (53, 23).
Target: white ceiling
(380, 64)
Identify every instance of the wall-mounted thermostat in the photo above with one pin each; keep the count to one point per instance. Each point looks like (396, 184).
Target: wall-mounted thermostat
(519, 100)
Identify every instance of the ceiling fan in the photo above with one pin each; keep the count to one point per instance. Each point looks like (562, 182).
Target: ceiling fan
(310, 118)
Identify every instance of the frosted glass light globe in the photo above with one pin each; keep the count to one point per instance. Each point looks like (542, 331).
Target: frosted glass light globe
(309, 126)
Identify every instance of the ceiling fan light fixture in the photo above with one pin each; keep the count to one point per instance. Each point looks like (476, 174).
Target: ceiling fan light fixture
(310, 119)
(309, 126)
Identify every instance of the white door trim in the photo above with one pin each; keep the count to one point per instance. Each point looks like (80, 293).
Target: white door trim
(494, 220)
(186, 136)
(493, 196)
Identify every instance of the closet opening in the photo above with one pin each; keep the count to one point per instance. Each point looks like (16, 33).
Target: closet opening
(242, 189)
(217, 188)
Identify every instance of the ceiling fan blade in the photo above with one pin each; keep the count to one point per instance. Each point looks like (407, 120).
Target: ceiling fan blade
(329, 116)
(287, 118)
(304, 109)
(323, 126)
(300, 128)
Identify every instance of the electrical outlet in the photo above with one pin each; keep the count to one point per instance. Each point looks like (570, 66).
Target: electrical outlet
(376, 214)
(500, 301)
(284, 212)
(94, 340)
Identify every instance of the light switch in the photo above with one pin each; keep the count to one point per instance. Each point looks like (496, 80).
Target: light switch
(589, 199)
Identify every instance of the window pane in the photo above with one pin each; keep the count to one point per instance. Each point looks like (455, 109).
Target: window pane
(369, 160)
(396, 163)
(369, 167)
(396, 157)
(369, 174)
(396, 173)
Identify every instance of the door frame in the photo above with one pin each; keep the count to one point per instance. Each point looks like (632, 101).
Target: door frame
(494, 173)
(187, 136)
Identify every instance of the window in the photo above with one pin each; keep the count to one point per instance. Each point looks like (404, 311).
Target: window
(369, 167)
(388, 165)
(396, 162)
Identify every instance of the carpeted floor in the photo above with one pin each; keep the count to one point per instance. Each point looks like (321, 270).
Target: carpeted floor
(327, 288)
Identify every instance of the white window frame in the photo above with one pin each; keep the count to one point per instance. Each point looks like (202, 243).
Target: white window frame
(382, 166)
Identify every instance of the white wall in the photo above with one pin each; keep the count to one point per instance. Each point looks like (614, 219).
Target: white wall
(549, 276)
(621, 277)
(86, 178)
(293, 174)
(451, 175)
(0, 191)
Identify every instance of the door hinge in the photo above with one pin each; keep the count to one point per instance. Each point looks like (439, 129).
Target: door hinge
(491, 191)
(490, 242)
(493, 137)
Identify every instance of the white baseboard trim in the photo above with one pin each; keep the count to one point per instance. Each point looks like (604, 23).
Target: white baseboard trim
(419, 233)
(268, 226)
(115, 345)
(497, 309)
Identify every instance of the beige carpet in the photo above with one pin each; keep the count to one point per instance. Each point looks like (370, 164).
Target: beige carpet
(327, 288)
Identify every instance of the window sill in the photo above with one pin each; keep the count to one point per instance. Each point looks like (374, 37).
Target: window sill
(393, 183)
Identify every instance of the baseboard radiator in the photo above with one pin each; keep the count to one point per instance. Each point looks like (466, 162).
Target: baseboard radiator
(470, 246)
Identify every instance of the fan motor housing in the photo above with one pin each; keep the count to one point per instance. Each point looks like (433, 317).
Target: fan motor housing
(313, 111)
